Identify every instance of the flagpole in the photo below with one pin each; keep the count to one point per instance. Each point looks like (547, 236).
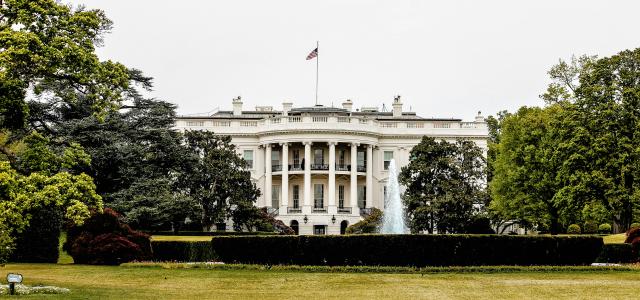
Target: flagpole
(317, 65)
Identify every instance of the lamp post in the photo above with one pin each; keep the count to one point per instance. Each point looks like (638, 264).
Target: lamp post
(306, 219)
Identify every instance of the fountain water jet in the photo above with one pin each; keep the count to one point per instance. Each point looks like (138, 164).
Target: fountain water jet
(393, 221)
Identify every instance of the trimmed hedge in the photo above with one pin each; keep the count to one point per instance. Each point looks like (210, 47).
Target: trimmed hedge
(616, 253)
(211, 233)
(182, 251)
(409, 250)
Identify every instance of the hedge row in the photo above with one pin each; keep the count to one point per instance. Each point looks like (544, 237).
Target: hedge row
(409, 250)
(210, 233)
(182, 251)
(616, 253)
(383, 269)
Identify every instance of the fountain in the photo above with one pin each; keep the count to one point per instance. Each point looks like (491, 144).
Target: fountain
(393, 218)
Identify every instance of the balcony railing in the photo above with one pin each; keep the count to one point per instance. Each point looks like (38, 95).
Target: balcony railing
(343, 167)
(296, 167)
(362, 168)
(294, 210)
(273, 211)
(344, 210)
(319, 210)
(276, 168)
(319, 167)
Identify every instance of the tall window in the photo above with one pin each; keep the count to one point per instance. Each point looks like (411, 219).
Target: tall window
(318, 196)
(248, 157)
(296, 196)
(296, 158)
(388, 156)
(318, 157)
(361, 159)
(341, 196)
(341, 159)
(275, 158)
(362, 196)
(275, 196)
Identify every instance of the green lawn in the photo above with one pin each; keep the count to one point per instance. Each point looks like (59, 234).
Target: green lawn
(614, 238)
(185, 238)
(157, 283)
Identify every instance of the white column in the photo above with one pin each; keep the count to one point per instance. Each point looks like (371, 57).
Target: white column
(306, 209)
(332, 178)
(285, 179)
(354, 180)
(267, 175)
(369, 176)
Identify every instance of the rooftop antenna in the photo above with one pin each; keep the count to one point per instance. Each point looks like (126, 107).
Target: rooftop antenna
(384, 108)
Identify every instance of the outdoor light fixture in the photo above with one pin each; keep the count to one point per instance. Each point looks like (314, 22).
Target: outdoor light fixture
(333, 219)
(305, 219)
(12, 279)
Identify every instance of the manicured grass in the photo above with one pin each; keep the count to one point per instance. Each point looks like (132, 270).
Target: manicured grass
(158, 283)
(614, 238)
(181, 238)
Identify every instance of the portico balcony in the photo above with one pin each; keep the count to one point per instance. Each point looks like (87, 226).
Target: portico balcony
(276, 168)
(320, 167)
(319, 210)
(294, 210)
(344, 210)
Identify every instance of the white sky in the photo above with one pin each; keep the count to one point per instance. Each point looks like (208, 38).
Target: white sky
(445, 58)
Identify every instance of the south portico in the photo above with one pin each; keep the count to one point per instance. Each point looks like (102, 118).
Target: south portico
(318, 185)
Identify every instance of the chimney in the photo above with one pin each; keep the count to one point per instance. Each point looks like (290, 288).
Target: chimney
(237, 106)
(286, 108)
(479, 118)
(397, 107)
(348, 105)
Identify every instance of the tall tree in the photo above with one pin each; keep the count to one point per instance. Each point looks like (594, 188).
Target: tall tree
(445, 185)
(216, 177)
(525, 182)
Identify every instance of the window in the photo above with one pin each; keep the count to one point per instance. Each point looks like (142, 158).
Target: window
(318, 196)
(275, 158)
(388, 156)
(275, 196)
(319, 229)
(341, 159)
(318, 157)
(295, 226)
(296, 158)
(195, 123)
(361, 161)
(341, 196)
(248, 157)
(362, 196)
(296, 196)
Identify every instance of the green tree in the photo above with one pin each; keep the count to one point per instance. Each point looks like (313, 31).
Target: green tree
(216, 177)
(445, 185)
(525, 179)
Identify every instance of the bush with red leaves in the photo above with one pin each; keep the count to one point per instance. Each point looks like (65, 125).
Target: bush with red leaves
(104, 240)
(633, 238)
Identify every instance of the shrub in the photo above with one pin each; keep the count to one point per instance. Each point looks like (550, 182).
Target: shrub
(574, 229)
(616, 253)
(409, 250)
(604, 228)
(369, 224)
(590, 227)
(40, 241)
(633, 238)
(6, 244)
(634, 225)
(182, 251)
(104, 240)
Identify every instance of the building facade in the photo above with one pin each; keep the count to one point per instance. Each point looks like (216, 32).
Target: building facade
(320, 169)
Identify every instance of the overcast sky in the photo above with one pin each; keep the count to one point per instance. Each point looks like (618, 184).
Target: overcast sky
(445, 58)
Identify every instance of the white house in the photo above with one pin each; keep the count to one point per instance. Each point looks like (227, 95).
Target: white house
(321, 168)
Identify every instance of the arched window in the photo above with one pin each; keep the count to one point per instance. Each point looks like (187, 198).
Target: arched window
(343, 226)
(294, 226)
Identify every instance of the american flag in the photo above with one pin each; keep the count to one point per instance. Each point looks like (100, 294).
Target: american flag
(313, 54)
